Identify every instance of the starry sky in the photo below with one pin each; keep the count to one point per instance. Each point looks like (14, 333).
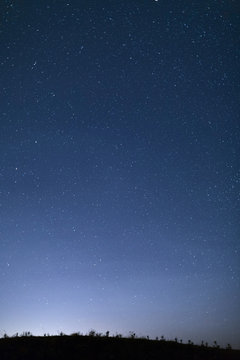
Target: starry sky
(119, 168)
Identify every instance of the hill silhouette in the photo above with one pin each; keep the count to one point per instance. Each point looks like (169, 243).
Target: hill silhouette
(99, 347)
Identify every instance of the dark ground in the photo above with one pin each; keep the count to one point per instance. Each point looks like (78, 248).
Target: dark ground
(107, 348)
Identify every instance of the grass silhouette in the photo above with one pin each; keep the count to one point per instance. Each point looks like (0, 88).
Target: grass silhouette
(99, 346)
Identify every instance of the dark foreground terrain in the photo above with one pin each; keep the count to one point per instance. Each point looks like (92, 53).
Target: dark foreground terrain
(107, 348)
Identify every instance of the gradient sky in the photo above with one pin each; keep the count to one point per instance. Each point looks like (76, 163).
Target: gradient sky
(119, 168)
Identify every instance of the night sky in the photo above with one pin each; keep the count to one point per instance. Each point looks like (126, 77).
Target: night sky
(119, 168)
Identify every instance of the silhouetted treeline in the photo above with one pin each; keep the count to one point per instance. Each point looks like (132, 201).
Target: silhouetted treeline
(96, 346)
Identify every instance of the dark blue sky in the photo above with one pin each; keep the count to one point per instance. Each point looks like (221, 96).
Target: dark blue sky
(119, 168)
